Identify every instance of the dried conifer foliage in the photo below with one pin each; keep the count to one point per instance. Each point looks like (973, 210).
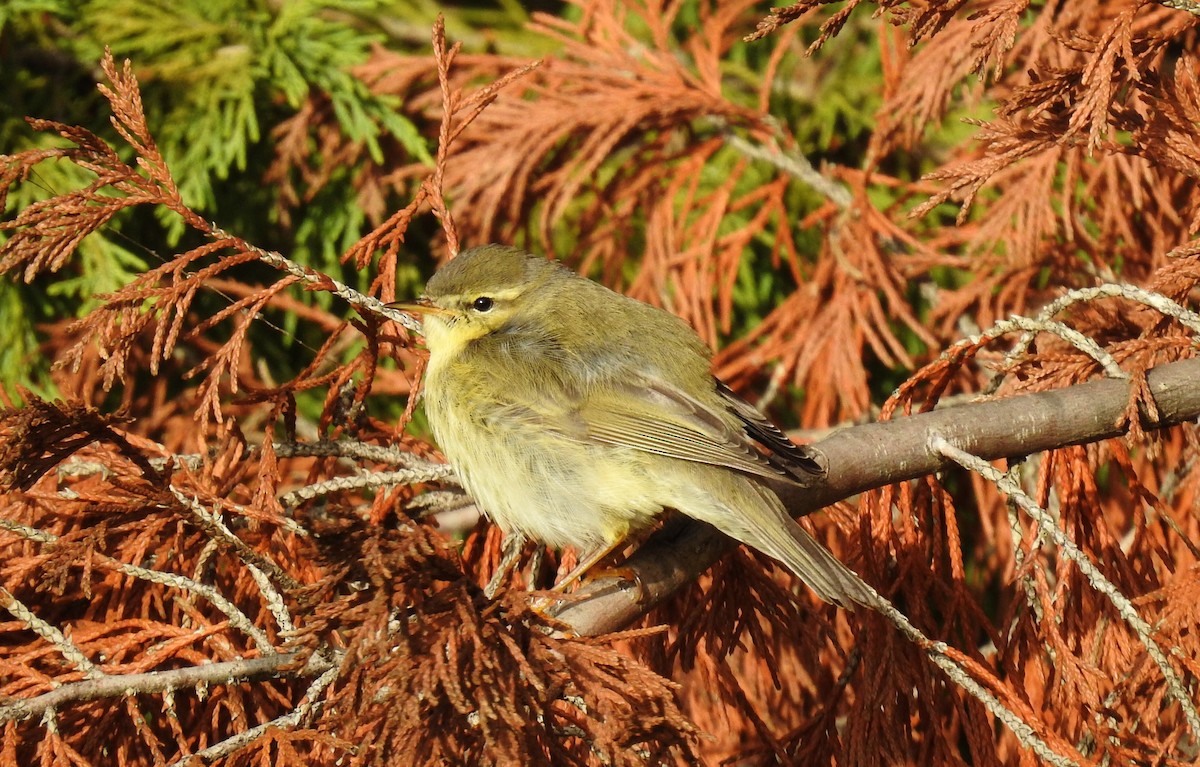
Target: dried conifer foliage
(195, 569)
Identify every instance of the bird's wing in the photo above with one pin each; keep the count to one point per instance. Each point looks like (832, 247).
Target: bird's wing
(795, 460)
(658, 418)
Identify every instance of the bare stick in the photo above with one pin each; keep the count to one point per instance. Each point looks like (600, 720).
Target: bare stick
(120, 685)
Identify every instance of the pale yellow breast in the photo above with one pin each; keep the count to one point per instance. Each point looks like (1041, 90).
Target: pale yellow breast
(549, 486)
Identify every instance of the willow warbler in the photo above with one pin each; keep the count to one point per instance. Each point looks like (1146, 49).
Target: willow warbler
(576, 416)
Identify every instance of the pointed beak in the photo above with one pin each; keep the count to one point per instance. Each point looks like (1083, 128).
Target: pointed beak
(421, 305)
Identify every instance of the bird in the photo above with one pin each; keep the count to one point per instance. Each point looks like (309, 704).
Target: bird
(578, 416)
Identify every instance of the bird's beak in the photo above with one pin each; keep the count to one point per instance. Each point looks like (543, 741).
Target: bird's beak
(421, 305)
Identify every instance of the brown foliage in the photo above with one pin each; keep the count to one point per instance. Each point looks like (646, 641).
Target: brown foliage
(196, 530)
(435, 672)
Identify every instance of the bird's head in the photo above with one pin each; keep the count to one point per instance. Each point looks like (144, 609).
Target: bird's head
(481, 291)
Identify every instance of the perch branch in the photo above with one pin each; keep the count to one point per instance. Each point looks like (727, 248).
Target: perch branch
(876, 455)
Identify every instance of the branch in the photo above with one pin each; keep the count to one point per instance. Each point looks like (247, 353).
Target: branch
(876, 455)
(121, 685)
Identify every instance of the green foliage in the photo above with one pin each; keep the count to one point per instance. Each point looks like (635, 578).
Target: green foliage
(21, 10)
(218, 77)
(214, 72)
(20, 360)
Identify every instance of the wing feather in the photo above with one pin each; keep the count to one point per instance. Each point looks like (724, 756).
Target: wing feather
(795, 460)
(658, 418)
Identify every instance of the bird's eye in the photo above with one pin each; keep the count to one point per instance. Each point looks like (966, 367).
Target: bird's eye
(482, 304)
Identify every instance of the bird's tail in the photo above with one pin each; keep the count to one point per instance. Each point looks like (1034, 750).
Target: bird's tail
(780, 537)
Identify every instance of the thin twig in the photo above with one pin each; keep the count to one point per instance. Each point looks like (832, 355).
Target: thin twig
(50, 633)
(433, 472)
(1099, 582)
(941, 655)
(1156, 301)
(236, 617)
(152, 682)
(1030, 325)
(310, 704)
(795, 164)
(254, 561)
(348, 448)
(312, 277)
(213, 524)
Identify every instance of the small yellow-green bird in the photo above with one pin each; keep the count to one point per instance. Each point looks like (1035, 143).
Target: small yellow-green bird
(576, 416)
